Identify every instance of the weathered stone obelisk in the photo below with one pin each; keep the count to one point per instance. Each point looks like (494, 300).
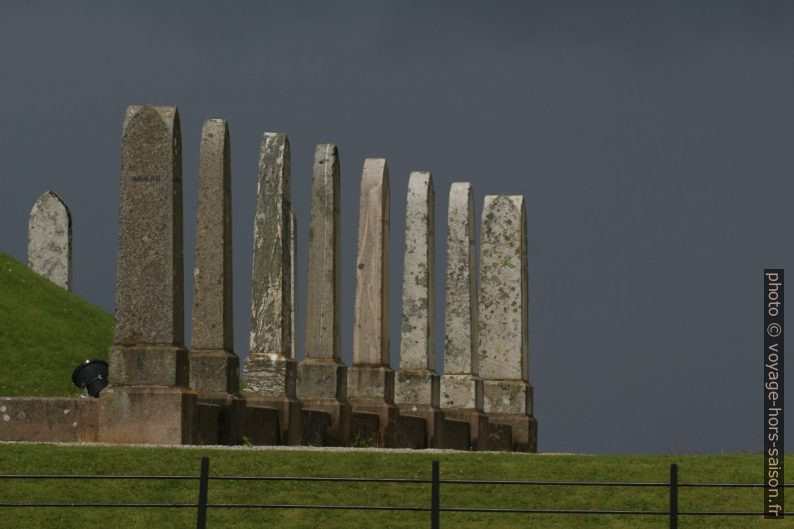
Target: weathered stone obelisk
(370, 381)
(213, 363)
(148, 400)
(270, 369)
(461, 387)
(504, 319)
(50, 240)
(293, 253)
(322, 376)
(416, 383)
(214, 367)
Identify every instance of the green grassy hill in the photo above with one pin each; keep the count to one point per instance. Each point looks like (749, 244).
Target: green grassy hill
(49, 459)
(44, 333)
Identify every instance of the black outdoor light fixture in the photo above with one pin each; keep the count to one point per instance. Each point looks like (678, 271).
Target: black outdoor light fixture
(91, 376)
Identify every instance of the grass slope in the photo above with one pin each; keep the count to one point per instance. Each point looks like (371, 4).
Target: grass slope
(44, 333)
(19, 459)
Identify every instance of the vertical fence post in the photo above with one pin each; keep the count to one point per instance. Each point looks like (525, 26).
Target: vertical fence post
(435, 500)
(201, 522)
(673, 496)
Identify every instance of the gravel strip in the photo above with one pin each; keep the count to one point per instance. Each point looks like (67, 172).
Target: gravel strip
(293, 448)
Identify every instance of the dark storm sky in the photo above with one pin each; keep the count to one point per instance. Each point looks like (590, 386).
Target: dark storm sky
(652, 141)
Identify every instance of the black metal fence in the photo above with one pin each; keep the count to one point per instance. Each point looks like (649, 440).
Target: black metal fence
(434, 509)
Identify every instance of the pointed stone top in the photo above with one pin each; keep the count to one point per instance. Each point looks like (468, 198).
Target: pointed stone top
(274, 153)
(51, 199)
(280, 137)
(326, 161)
(325, 151)
(419, 182)
(214, 126)
(168, 115)
(375, 173)
(492, 201)
(460, 193)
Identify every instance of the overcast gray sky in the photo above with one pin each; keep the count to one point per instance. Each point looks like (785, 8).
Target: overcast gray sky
(652, 141)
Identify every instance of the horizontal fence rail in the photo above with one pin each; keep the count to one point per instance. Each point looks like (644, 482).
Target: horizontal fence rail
(435, 508)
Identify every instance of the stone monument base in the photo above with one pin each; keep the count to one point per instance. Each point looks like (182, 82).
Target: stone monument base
(322, 378)
(416, 386)
(340, 412)
(214, 371)
(370, 382)
(155, 365)
(461, 391)
(289, 415)
(260, 426)
(500, 437)
(147, 415)
(208, 418)
(456, 434)
(524, 430)
(49, 419)
(507, 396)
(478, 427)
(387, 414)
(231, 421)
(371, 390)
(316, 428)
(434, 422)
(411, 432)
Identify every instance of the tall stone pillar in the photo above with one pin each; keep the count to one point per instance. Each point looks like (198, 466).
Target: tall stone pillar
(50, 240)
(148, 400)
(293, 256)
(214, 367)
(322, 376)
(270, 368)
(461, 387)
(416, 383)
(504, 319)
(370, 381)
(213, 364)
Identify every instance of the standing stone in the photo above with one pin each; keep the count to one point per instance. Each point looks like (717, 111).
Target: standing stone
(293, 253)
(270, 367)
(322, 376)
(370, 381)
(148, 401)
(213, 364)
(504, 319)
(416, 384)
(461, 387)
(50, 240)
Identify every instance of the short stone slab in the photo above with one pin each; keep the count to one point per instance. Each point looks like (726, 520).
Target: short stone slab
(289, 418)
(207, 419)
(48, 419)
(457, 434)
(232, 416)
(316, 429)
(478, 426)
(364, 429)
(433, 419)
(147, 415)
(500, 437)
(261, 426)
(340, 415)
(50, 240)
(411, 432)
